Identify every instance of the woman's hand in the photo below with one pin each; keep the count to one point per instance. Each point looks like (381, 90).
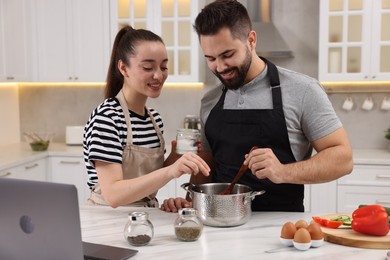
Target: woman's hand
(174, 204)
(189, 163)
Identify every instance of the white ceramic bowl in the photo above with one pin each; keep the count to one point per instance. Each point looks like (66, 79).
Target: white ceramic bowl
(317, 243)
(286, 241)
(302, 246)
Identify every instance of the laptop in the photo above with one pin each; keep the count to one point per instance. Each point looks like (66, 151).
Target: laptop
(41, 220)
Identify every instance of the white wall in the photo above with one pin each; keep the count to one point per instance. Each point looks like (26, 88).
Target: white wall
(9, 114)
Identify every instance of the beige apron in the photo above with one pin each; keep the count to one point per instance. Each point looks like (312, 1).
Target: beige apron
(136, 161)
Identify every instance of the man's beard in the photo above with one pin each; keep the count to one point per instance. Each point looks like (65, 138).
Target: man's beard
(238, 80)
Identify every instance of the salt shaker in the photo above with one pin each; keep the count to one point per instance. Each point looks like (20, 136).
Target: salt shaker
(139, 230)
(188, 227)
(187, 140)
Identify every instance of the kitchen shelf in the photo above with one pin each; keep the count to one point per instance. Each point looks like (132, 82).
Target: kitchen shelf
(357, 87)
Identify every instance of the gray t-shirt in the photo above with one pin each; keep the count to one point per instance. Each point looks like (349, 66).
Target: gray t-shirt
(307, 109)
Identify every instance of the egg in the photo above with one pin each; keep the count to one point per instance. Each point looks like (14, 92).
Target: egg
(315, 231)
(301, 224)
(302, 236)
(302, 239)
(288, 230)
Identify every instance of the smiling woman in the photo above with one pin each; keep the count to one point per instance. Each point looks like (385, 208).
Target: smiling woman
(123, 139)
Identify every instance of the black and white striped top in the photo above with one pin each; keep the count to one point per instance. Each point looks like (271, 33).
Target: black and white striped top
(105, 134)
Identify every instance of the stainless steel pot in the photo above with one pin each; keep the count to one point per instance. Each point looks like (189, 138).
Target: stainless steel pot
(222, 210)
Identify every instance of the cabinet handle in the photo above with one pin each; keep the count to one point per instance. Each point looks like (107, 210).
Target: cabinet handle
(70, 78)
(382, 176)
(28, 167)
(374, 77)
(69, 162)
(382, 202)
(10, 78)
(5, 174)
(76, 78)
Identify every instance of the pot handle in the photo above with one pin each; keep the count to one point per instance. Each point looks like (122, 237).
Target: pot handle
(188, 187)
(253, 195)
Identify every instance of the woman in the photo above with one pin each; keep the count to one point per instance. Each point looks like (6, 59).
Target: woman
(124, 152)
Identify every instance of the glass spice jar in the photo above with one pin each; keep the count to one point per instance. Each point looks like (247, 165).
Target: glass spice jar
(187, 140)
(139, 230)
(188, 227)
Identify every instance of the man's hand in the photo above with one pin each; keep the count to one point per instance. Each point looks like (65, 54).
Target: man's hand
(264, 164)
(174, 204)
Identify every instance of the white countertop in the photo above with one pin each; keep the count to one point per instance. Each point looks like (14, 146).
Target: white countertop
(15, 154)
(252, 240)
(371, 156)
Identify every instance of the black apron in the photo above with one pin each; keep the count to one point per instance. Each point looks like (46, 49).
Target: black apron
(231, 133)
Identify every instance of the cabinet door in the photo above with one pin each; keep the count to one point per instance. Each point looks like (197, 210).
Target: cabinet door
(380, 69)
(54, 30)
(367, 184)
(73, 40)
(345, 40)
(350, 197)
(91, 40)
(35, 170)
(70, 170)
(172, 20)
(16, 27)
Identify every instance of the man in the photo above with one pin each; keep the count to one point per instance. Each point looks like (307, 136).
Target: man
(284, 113)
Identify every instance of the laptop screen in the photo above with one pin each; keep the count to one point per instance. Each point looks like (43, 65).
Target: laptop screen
(40, 220)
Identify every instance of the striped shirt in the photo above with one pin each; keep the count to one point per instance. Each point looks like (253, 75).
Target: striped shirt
(105, 134)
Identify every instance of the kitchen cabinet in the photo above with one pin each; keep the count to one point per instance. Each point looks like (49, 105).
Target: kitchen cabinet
(172, 189)
(367, 184)
(33, 170)
(70, 170)
(73, 40)
(172, 20)
(16, 41)
(354, 40)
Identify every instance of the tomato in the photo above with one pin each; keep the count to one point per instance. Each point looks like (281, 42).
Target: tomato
(334, 224)
(327, 222)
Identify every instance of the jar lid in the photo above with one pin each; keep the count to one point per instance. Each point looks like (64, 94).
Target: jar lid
(188, 131)
(187, 212)
(138, 215)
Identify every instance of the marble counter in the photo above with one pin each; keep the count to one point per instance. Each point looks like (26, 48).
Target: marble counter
(18, 153)
(257, 239)
(371, 156)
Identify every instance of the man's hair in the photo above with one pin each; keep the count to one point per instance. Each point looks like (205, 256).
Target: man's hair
(223, 14)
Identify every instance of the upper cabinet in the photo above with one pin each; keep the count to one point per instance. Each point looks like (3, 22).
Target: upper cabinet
(172, 20)
(354, 42)
(16, 44)
(73, 40)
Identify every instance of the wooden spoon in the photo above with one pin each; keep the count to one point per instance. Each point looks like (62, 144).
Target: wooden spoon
(242, 170)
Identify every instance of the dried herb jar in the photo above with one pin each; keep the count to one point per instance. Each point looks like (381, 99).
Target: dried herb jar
(139, 230)
(188, 227)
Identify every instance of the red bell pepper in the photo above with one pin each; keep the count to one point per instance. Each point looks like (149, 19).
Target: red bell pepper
(327, 222)
(371, 220)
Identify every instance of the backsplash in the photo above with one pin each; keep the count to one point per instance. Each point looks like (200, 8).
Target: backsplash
(52, 109)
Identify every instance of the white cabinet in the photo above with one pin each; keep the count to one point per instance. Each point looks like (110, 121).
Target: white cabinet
(70, 170)
(367, 184)
(73, 40)
(172, 189)
(172, 20)
(354, 42)
(34, 170)
(16, 28)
